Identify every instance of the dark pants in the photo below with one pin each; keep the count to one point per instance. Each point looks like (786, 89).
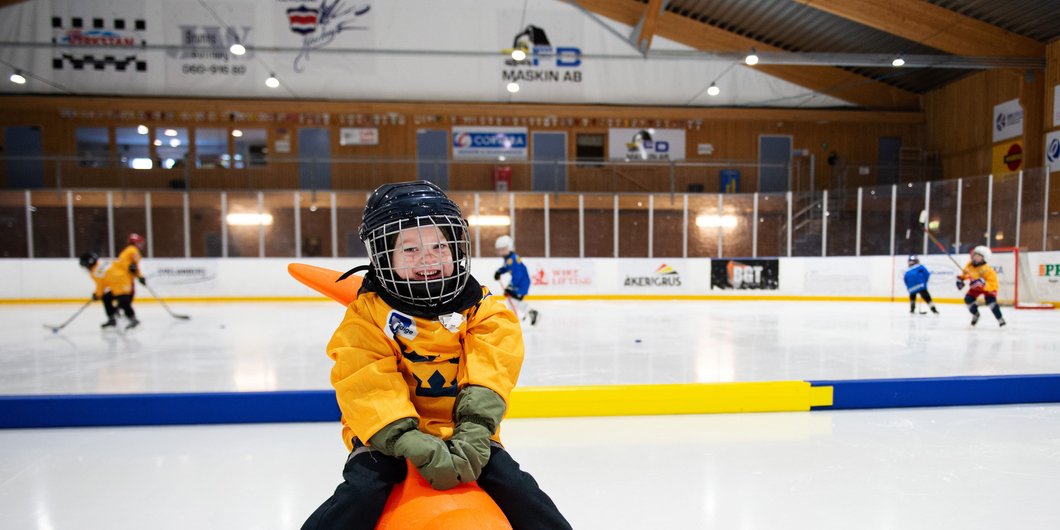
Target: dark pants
(112, 303)
(991, 302)
(369, 475)
(923, 294)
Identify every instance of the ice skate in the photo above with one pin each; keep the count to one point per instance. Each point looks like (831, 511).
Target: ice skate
(533, 317)
(132, 323)
(1000, 322)
(110, 323)
(975, 319)
(934, 311)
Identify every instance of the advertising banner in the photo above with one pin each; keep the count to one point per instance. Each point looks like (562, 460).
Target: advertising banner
(490, 143)
(1056, 106)
(352, 136)
(745, 274)
(561, 276)
(646, 144)
(1052, 151)
(1007, 158)
(652, 276)
(1008, 120)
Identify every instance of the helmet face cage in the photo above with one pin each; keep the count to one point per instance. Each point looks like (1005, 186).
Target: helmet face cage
(421, 252)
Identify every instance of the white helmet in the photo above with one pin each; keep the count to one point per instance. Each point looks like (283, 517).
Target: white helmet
(983, 251)
(505, 243)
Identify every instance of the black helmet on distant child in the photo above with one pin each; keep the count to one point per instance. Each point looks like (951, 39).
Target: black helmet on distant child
(393, 208)
(89, 259)
(914, 259)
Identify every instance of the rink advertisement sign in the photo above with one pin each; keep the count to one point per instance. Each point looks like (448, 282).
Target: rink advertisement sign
(1008, 157)
(1052, 151)
(358, 136)
(560, 275)
(539, 61)
(1008, 120)
(761, 274)
(646, 144)
(180, 272)
(490, 143)
(661, 276)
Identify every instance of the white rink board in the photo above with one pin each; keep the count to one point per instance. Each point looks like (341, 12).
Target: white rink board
(843, 277)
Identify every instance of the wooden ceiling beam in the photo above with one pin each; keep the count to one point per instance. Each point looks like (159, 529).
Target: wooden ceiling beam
(646, 25)
(826, 80)
(934, 26)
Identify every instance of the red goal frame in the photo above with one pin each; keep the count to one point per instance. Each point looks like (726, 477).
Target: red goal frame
(1016, 279)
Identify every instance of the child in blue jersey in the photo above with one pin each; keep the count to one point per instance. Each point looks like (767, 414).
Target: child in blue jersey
(519, 284)
(916, 280)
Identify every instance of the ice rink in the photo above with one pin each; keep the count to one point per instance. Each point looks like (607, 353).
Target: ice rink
(957, 467)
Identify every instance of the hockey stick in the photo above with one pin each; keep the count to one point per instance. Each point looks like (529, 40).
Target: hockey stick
(923, 223)
(55, 329)
(164, 306)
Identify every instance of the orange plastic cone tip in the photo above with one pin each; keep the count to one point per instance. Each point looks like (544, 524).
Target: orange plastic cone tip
(322, 281)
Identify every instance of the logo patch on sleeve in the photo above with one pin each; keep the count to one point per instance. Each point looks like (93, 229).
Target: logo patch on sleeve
(399, 325)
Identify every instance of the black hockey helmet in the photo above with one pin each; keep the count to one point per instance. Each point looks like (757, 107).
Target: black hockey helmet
(88, 259)
(913, 259)
(418, 205)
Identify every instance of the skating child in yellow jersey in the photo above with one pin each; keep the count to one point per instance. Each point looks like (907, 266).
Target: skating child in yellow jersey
(113, 289)
(983, 281)
(425, 360)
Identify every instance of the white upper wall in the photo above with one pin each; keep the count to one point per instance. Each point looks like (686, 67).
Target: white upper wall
(422, 50)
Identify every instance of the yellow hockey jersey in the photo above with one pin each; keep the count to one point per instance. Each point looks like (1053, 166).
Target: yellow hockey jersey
(973, 272)
(110, 278)
(389, 365)
(129, 256)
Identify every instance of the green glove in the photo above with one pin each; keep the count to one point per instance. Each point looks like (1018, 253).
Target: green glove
(428, 453)
(470, 443)
(477, 414)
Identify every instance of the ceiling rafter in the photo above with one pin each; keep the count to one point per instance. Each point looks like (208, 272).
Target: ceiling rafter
(645, 28)
(826, 80)
(931, 25)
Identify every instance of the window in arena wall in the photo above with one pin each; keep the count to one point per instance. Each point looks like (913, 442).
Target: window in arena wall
(250, 148)
(134, 149)
(93, 146)
(589, 149)
(211, 148)
(171, 144)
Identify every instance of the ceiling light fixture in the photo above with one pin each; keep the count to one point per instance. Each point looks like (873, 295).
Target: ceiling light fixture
(236, 133)
(272, 82)
(237, 49)
(713, 89)
(17, 78)
(518, 54)
(513, 87)
(898, 61)
(752, 58)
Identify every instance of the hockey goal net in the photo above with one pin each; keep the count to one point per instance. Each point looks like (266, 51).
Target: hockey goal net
(1014, 278)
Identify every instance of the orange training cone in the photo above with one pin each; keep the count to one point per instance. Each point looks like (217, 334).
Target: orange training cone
(414, 505)
(322, 281)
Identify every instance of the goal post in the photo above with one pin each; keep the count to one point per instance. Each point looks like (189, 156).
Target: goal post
(1014, 277)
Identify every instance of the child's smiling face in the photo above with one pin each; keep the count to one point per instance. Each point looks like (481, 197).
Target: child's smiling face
(422, 253)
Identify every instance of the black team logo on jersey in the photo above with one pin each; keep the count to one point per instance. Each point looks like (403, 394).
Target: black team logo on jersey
(664, 276)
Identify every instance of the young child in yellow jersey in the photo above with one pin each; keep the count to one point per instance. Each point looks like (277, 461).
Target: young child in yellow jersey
(425, 360)
(982, 281)
(128, 263)
(113, 289)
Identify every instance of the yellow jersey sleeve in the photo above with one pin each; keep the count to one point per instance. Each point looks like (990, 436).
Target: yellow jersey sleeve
(990, 276)
(493, 348)
(370, 389)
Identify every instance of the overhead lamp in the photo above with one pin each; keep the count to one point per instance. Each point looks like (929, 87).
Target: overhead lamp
(237, 133)
(489, 220)
(898, 61)
(714, 221)
(17, 78)
(237, 49)
(272, 82)
(249, 219)
(158, 143)
(174, 143)
(170, 132)
(141, 129)
(518, 54)
(713, 89)
(752, 58)
(513, 87)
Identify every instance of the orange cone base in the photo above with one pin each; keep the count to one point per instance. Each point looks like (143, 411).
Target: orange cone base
(415, 505)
